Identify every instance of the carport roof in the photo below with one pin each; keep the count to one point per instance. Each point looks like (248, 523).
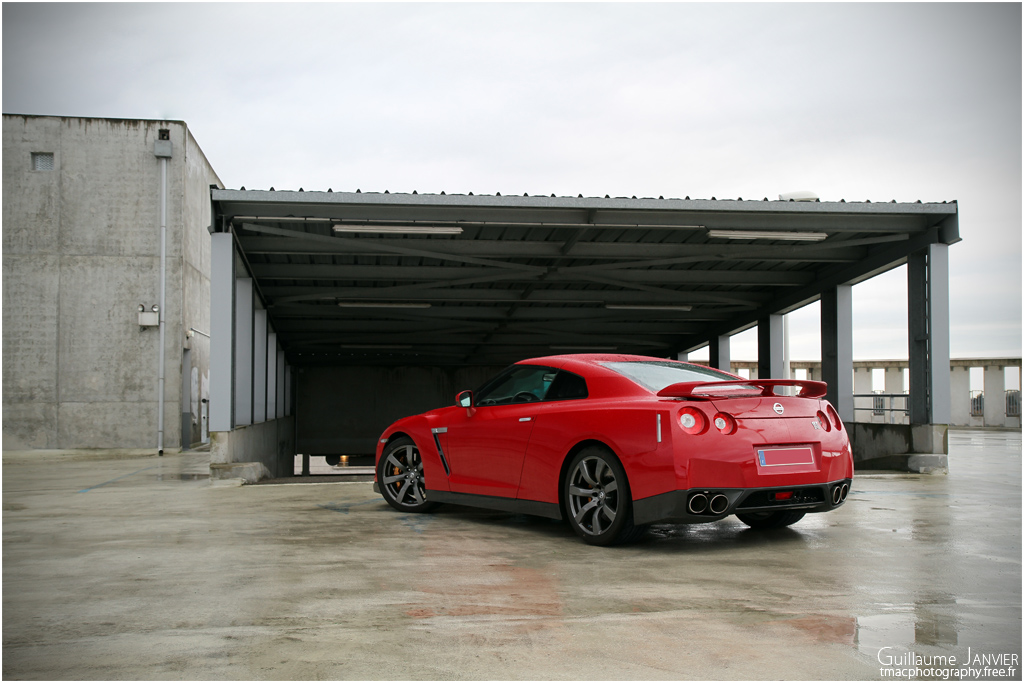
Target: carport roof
(425, 279)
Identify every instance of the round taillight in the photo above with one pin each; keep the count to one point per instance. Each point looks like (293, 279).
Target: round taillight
(833, 417)
(725, 423)
(823, 421)
(693, 421)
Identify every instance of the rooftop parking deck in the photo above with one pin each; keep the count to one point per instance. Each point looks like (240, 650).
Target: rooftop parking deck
(139, 568)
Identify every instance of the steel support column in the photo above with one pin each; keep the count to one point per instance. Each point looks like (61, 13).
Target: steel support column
(259, 366)
(280, 381)
(928, 331)
(770, 342)
(272, 376)
(837, 348)
(222, 335)
(719, 353)
(243, 351)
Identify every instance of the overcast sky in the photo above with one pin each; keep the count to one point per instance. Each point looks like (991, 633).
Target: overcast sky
(868, 101)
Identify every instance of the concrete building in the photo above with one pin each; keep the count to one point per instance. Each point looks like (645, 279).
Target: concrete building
(84, 202)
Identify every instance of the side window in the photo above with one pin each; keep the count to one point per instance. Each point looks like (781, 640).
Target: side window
(520, 384)
(567, 386)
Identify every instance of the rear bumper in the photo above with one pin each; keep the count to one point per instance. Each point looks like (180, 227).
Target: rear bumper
(672, 506)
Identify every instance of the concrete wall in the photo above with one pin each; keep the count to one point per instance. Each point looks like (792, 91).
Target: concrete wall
(81, 251)
(255, 452)
(343, 410)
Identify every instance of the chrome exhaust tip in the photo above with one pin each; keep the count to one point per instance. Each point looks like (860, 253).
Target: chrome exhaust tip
(846, 490)
(698, 503)
(837, 495)
(719, 504)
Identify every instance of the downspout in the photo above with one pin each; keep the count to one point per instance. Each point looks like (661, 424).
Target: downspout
(162, 150)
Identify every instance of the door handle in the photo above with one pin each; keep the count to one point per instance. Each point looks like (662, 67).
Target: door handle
(525, 419)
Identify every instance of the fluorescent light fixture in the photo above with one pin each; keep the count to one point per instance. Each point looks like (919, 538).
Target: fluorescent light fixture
(584, 348)
(768, 235)
(307, 219)
(648, 307)
(400, 229)
(383, 304)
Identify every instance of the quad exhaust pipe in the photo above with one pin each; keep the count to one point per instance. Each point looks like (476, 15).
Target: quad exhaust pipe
(839, 493)
(719, 504)
(699, 504)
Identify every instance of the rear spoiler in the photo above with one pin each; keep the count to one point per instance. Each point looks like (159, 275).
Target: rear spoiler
(753, 387)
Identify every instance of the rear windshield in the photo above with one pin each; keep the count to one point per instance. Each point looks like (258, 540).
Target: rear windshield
(655, 375)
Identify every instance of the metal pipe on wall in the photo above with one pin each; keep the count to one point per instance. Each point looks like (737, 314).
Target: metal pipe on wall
(162, 150)
(161, 377)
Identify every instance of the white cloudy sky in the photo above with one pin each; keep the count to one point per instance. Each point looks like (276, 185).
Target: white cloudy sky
(863, 101)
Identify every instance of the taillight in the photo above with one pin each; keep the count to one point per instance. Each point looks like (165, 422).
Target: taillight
(823, 421)
(725, 423)
(834, 417)
(693, 421)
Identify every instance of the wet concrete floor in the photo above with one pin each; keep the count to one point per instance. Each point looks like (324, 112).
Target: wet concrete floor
(138, 568)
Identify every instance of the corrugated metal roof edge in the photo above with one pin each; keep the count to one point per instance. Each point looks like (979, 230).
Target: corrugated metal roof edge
(579, 202)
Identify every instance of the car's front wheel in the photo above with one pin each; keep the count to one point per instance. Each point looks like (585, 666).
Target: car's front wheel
(597, 499)
(771, 520)
(400, 477)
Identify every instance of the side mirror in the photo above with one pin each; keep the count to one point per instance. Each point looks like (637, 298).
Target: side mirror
(465, 399)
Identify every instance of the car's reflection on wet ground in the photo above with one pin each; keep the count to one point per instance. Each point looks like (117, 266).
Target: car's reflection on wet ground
(138, 568)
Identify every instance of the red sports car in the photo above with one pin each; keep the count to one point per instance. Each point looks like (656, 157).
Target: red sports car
(614, 443)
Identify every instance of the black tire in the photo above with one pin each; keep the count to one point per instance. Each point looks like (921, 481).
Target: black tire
(400, 477)
(771, 520)
(597, 501)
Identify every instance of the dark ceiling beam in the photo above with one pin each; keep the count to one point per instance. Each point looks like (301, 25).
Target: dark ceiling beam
(461, 249)
(442, 341)
(281, 294)
(307, 330)
(661, 292)
(749, 252)
(319, 271)
(462, 314)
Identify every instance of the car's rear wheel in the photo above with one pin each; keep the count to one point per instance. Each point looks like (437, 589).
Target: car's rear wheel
(597, 499)
(400, 477)
(771, 520)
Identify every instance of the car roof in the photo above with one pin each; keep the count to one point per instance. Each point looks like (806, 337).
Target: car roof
(580, 361)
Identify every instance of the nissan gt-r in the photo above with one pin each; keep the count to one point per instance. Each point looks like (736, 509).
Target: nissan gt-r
(614, 443)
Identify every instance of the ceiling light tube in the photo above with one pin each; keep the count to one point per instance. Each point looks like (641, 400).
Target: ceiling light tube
(399, 229)
(281, 218)
(768, 235)
(383, 304)
(648, 307)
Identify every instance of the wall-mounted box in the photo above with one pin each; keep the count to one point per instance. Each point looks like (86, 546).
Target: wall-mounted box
(149, 319)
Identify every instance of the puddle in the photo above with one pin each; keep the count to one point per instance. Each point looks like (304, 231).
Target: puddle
(885, 630)
(927, 624)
